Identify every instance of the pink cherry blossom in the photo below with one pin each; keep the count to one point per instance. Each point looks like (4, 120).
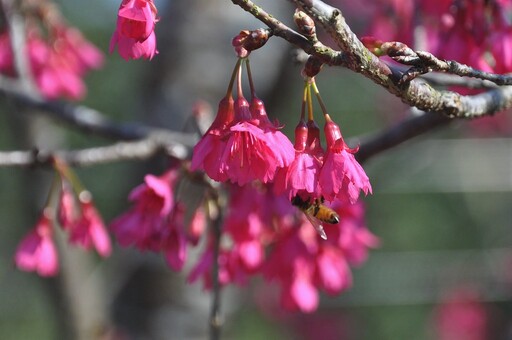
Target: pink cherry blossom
(341, 175)
(145, 223)
(134, 34)
(302, 173)
(206, 155)
(242, 148)
(58, 63)
(89, 230)
(254, 150)
(37, 251)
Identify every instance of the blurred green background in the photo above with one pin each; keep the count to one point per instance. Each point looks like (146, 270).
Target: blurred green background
(441, 204)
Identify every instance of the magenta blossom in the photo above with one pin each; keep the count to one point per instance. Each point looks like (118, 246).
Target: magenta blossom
(242, 145)
(134, 34)
(301, 176)
(145, 223)
(57, 65)
(341, 175)
(89, 229)
(37, 251)
(206, 155)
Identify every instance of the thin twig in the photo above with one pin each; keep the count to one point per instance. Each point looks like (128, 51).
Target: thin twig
(311, 46)
(401, 132)
(358, 58)
(425, 62)
(216, 321)
(121, 151)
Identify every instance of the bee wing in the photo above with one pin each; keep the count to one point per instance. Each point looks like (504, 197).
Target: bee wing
(317, 225)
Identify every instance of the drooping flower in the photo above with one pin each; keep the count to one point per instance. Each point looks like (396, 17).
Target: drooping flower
(37, 251)
(250, 153)
(301, 176)
(89, 229)
(242, 145)
(58, 63)
(207, 152)
(341, 175)
(303, 264)
(145, 223)
(134, 35)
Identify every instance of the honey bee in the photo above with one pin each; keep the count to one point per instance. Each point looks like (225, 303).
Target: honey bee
(317, 213)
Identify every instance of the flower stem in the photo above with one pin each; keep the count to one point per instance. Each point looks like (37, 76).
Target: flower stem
(239, 90)
(304, 100)
(233, 76)
(320, 101)
(310, 102)
(66, 173)
(249, 75)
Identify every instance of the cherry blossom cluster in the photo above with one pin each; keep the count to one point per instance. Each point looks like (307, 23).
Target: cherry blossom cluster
(261, 173)
(156, 222)
(265, 171)
(134, 35)
(473, 32)
(58, 55)
(75, 213)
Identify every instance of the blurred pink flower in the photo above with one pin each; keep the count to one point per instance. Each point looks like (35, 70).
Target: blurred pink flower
(89, 230)
(145, 223)
(134, 34)
(36, 251)
(57, 63)
(67, 209)
(174, 239)
(461, 316)
(302, 263)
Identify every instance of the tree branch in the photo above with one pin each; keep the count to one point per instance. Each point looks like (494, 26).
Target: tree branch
(326, 54)
(359, 59)
(425, 62)
(401, 132)
(414, 93)
(135, 150)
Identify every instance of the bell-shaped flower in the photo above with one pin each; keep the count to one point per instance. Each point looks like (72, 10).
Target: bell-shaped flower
(37, 251)
(341, 175)
(134, 34)
(89, 230)
(302, 173)
(144, 224)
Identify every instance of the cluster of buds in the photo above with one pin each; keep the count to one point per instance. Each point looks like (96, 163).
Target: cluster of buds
(134, 35)
(75, 214)
(58, 56)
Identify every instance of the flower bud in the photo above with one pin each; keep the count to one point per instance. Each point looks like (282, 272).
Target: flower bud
(301, 136)
(312, 67)
(332, 131)
(305, 24)
(247, 41)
